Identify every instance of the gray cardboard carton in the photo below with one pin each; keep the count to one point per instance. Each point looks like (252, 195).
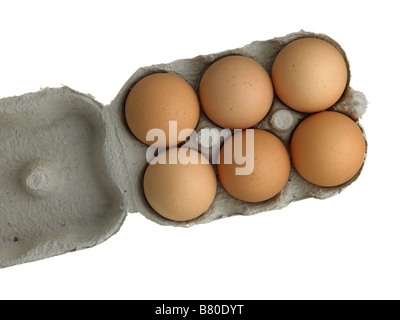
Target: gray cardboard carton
(71, 170)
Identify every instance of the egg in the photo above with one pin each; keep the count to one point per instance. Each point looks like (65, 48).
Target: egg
(180, 190)
(270, 169)
(309, 75)
(327, 148)
(236, 92)
(162, 101)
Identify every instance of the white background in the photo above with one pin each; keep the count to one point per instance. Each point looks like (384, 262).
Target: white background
(346, 247)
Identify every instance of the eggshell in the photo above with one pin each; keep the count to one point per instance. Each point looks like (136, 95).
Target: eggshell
(236, 92)
(155, 101)
(309, 75)
(328, 148)
(180, 191)
(271, 166)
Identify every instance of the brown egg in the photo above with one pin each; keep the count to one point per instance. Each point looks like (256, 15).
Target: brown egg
(236, 92)
(309, 75)
(180, 190)
(271, 167)
(156, 100)
(327, 148)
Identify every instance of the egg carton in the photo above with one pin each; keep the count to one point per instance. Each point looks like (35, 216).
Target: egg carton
(71, 170)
